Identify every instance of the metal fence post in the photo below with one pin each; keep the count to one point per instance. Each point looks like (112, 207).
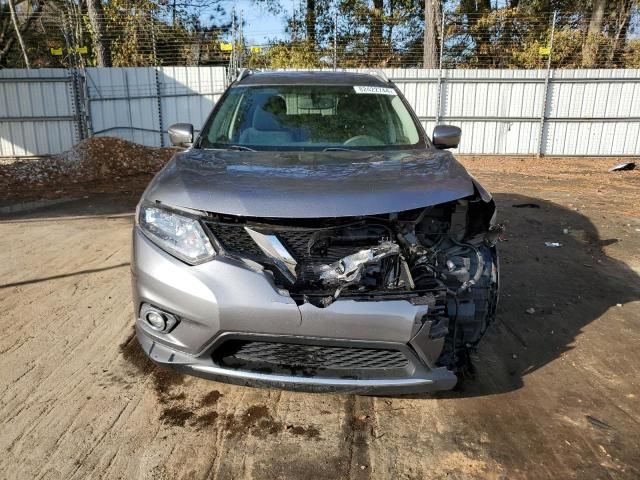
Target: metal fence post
(547, 80)
(232, 72)
(79, 109)
(159, 97)
(439, 100)
(71, 88)
(240, 54)
(154, 43)
(128, 95)
(86, 104)
(335, 41)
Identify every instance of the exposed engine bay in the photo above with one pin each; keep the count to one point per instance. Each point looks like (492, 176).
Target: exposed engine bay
(442, 256)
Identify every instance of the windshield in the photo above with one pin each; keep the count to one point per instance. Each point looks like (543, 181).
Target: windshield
(311, 117)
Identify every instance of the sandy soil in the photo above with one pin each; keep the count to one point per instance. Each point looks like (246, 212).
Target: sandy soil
(556, 394)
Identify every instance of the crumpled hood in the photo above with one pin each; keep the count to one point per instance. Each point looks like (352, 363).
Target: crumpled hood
(309, 184)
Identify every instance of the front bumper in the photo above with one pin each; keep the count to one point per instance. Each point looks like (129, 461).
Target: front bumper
(226, 298)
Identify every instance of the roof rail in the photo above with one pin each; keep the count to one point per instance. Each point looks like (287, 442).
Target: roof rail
(380, 74)
(243, 72)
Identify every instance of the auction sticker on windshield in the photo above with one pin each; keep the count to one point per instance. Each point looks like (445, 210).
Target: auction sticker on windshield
(375, 90)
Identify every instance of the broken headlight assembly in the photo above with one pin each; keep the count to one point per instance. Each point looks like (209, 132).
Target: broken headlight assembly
(179, 235)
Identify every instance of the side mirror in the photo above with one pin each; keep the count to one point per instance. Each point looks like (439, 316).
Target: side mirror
(181, 134)
(446, 136)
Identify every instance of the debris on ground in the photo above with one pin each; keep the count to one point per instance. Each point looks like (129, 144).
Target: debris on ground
(623, 166)
(530, 310)
(91, 160)
(552, 244)
(598, 423)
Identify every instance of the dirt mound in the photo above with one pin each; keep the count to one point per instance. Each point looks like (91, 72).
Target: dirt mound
(97, 159)
(92, 159)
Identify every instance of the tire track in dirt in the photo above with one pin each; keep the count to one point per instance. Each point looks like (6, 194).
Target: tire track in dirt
(357, 431)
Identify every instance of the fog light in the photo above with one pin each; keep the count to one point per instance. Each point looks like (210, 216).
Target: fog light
(156, 320)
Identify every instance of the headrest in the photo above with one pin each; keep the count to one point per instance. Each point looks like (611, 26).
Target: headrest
(269, 115)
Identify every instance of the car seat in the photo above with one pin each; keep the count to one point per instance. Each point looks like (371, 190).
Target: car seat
(267, 126)
(360, 115)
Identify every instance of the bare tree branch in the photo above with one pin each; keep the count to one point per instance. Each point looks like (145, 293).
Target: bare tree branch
(16, 27)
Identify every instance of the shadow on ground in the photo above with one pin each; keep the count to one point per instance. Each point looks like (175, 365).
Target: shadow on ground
(80, 206)
(567, 287)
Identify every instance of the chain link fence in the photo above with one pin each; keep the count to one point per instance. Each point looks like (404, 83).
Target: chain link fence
(137, 39)
(501, 39)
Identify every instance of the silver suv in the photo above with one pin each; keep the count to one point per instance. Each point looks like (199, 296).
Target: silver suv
(313, 237)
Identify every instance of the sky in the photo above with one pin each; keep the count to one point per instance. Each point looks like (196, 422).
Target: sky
(260, 25)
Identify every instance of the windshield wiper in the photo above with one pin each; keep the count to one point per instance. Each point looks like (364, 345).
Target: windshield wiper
(337, 149)
(241, 148)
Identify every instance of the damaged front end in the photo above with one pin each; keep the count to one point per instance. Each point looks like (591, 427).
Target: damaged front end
(442, 257)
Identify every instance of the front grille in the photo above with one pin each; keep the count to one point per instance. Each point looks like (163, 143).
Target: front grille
(293, 358)
(296, 241)
(234, 238)
(312, 247)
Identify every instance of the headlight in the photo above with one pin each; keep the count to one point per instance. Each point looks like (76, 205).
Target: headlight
(179, 235)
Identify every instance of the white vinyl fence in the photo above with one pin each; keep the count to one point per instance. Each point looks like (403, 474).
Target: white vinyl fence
(501, 112)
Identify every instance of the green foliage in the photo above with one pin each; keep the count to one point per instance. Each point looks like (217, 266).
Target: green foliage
(130, 30)
(567, 47)
(631, 54)
(285, 55)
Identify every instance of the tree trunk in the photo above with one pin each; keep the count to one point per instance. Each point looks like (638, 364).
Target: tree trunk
(597, 14)
(14, 19)
(623, 17)
(590, 47)
(375, 32)
(431, 27)
(100, 43)
(173, 13)
(310, 22)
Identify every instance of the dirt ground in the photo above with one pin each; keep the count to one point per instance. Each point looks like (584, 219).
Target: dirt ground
(556, 395)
